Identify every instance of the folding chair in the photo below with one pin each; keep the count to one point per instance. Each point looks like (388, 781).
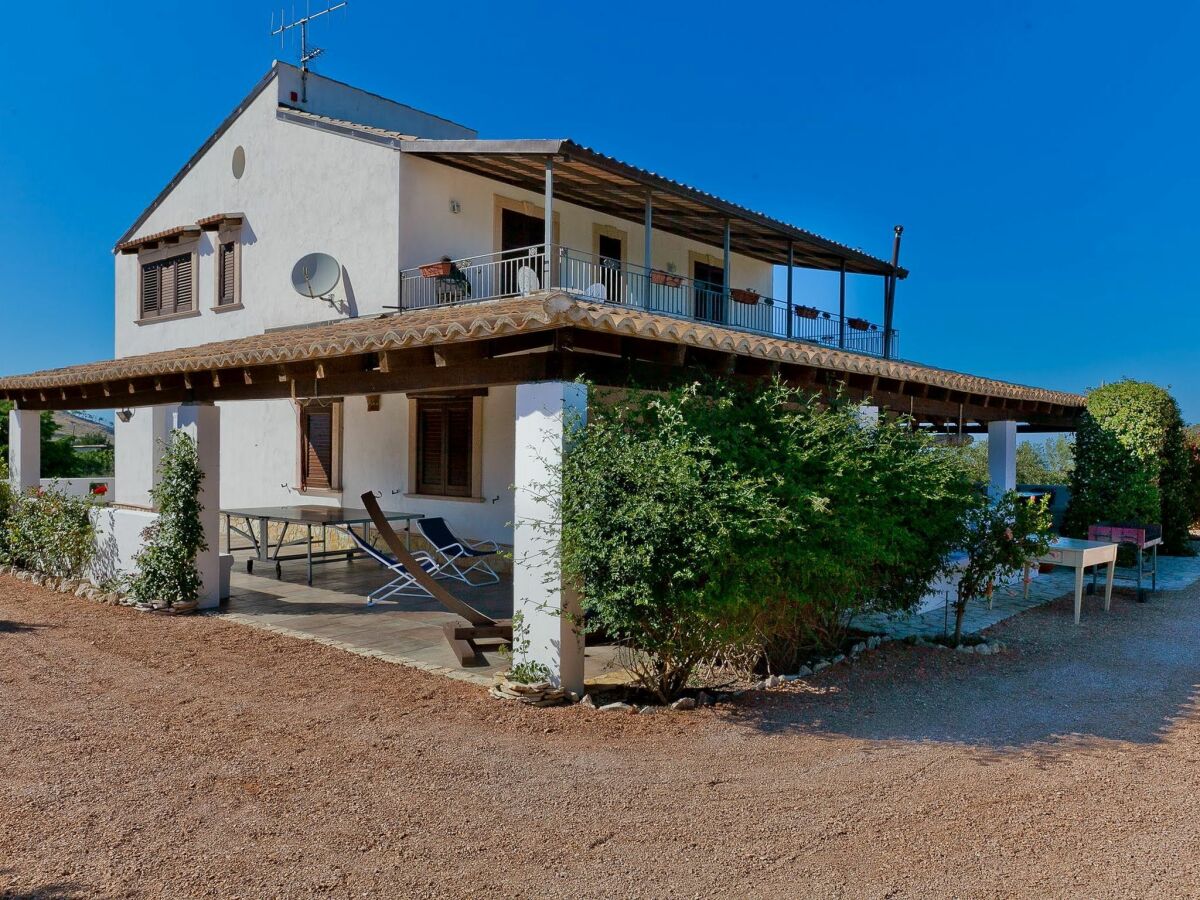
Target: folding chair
(404, 585)
(450, 549)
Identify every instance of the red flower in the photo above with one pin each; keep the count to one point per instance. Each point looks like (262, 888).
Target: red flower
(100, 489)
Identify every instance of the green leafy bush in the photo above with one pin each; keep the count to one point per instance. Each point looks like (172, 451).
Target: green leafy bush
(166, 566)
(1131, 463)
(657, 527)
(47, 531)
(722, 521)
(1000, 539)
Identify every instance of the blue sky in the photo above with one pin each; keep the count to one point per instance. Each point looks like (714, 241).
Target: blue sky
(1042, 157)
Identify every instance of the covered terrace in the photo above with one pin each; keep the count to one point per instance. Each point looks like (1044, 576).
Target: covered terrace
(541, 344)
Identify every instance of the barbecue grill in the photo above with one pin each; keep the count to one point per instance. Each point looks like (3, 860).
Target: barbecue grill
(1141, 537)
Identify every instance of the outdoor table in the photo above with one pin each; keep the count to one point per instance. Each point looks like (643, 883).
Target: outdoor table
(1081, 555)
(306, 517)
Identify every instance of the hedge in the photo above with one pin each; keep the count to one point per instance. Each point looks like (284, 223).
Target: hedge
(1131, 464)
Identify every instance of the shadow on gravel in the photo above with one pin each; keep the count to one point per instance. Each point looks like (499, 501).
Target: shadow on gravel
(63, 890)
(7, 627)
(1130, 675)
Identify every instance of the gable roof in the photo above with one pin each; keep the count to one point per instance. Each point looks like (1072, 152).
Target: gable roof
(271, 75)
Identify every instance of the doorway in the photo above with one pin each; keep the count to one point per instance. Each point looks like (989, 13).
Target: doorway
(709, 287)
(521, 238)
(611, 252)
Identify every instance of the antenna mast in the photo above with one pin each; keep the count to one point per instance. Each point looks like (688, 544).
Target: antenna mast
(307, 53)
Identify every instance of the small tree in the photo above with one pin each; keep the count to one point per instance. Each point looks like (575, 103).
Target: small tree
(166, 565)
(1000, 539)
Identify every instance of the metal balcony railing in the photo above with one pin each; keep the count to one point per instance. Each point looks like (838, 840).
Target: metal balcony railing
(513, 273)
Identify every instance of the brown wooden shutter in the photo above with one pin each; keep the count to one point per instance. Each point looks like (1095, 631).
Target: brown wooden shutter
(444, 447)
(431, 438)
(317, 447)
(227, 261)
(150, 289)
(458, 448)
(181, 268)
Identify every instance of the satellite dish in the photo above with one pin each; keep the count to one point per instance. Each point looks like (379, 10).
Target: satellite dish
(315, 275)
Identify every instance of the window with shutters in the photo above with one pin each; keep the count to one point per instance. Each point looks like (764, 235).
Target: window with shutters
(445, 446)
(168, 286)
(227, 273)
(320, 447)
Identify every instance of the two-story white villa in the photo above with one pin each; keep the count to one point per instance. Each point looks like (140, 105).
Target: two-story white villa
(475, 281)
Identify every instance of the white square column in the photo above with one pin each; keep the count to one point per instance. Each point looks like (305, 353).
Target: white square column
(139, 447)
(24, 449)
(550, 611)
(868, 416)
(202, 422)
(1002, 458)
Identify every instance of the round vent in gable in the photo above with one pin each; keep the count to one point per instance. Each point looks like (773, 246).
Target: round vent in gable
(239, 161)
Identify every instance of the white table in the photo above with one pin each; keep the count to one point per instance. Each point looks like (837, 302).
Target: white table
(1081, 555)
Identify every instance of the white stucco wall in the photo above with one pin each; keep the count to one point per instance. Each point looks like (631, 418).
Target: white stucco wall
(303, 190)
(81, 487)
(138, 446)
(259, 464)
(118, 539)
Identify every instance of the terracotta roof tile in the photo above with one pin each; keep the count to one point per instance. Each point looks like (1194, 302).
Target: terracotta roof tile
(476, 321)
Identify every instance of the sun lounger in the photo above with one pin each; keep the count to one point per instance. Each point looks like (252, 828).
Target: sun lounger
(404, 585)
(464, 640)
(450, 549)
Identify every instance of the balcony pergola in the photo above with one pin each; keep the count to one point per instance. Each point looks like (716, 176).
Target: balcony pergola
(571, 172)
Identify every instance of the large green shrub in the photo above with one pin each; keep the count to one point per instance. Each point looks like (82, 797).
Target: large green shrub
(657, 526)
(1131, 463)
(47, 531)
(716, 519)
(1191, 441)
(166, 566)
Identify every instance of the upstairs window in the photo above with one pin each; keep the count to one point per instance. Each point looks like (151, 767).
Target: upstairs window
(444, 447)
(168, 286)
(228, 293)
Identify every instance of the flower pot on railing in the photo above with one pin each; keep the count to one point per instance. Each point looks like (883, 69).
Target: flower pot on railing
(744, 295)
(858, 324)
(665, 278)
(807, 312)
(437, 269)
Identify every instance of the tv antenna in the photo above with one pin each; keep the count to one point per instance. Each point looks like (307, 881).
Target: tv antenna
(307, 53)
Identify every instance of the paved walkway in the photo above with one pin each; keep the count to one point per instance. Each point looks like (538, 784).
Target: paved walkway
(1175, 573)
(405, 630)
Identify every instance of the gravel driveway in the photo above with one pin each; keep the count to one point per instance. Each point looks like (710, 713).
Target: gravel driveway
(145, 756)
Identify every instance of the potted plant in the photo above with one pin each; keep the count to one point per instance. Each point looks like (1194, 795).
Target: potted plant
(668, 279)
(438, 269)
(744, 295)
(858, 324)
(807, 312)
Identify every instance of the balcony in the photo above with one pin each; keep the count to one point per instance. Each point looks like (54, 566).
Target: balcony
(513, 273)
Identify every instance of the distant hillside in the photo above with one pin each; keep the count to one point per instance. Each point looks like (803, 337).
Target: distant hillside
(79, 425)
